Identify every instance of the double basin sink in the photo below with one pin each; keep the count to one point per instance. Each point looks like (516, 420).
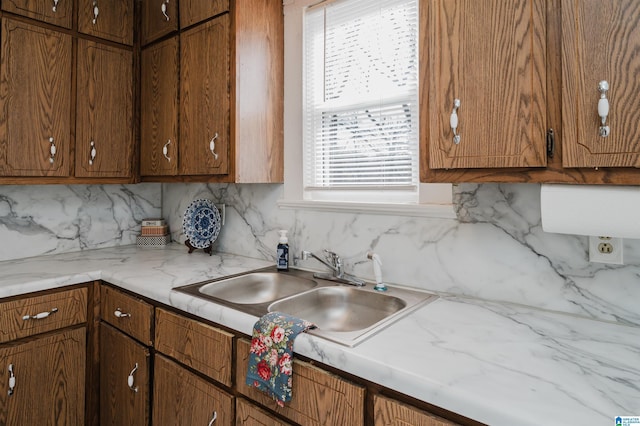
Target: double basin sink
(342, 313)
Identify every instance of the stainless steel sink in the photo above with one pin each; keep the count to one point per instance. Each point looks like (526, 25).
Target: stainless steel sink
(343, 314)
(257, 287)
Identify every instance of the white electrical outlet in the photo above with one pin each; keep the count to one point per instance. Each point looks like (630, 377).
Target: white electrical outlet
(606, 250)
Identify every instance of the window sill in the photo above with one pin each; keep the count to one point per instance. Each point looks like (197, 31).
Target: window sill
(437, 211)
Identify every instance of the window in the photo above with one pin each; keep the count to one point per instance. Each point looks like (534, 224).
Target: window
(361, 100)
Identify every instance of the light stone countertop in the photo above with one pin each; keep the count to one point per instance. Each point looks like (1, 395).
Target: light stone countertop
(496, 363)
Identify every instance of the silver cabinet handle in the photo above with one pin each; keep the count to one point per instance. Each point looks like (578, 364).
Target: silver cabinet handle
(453, 121)
(96, 12)
(163, 9)
(52, 149)
(41, 315)
(603, 108)
(55, 5)
(119, 314)
(212, 146)
(213, 418)
(12, 380)
(130, 379)
(165, 150)
(93, 153)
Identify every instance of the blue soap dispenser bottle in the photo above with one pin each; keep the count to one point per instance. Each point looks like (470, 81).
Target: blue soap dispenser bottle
(283, 251)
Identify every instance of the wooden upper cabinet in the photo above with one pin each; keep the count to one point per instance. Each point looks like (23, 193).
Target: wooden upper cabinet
(159, 18)
(194, 11)
(600, 41)
(108, 19)
(489, 54)
(35, 100)
(52, 12)
(104, 132)
(159, 111)
(204, 100)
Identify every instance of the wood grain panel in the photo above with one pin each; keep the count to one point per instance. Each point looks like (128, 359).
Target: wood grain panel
(193, 11)
(114, 22)
(491, 55)
(104, 110)
(159, 110)
(600, 42)
(319, 397)
(50, 380)
(182, 398)
(71, 308)
(389, 412)
(137, 324)
(202, 347)
(248, 414)
(119, 405)
(204, 98)
(35, 100)
(154, 23)
(42, 10)
(259, 91)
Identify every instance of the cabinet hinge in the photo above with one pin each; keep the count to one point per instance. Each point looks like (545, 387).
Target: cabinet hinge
(551, 142)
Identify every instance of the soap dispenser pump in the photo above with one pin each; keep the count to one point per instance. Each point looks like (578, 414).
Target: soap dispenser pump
(283, 251)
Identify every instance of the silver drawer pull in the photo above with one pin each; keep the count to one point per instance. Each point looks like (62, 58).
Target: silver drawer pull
(12, 380)
(52, 150)
(41, 315)
(119, 314)
(55, 5)
(163, 9)
(603, 108)
(165, 150)
(92, 153)
(214, 418)
(96, 12)
(453, 121)
(212, 146)
(130, 379)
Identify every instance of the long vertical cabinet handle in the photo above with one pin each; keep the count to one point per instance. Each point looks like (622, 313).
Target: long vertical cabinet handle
(212, 146)
(55, 5)
(12, 380)
(96, 12)
(453, 121)
(52, 148)
(163, 9)
(213, 418)
(92, 153)
(603, 108)
(130, 379)
(165, 150)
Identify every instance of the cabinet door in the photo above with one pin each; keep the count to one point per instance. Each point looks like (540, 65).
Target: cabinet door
(159, 113)
(600, 43)
(182, 398)
(49, 377)
(159, 17)
(204, 98)
(248, 414)
(56, 12)
(35, 97)
(388, 412)
(193, 11)
(489, 54)
(104, 133)
(120, 357)
(108, 19)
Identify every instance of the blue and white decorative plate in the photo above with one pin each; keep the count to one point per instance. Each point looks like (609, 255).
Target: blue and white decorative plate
(201, 223)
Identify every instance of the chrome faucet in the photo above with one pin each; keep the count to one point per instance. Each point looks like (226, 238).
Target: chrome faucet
(333, 262)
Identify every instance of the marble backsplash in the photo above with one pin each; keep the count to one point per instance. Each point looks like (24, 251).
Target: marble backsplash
(496, 250)
(46, 219)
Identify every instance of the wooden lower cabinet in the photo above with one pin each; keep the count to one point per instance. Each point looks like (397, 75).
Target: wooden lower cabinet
(120, 358)
(183, 398)
(248, 414)
(49, 375)
(389, 412)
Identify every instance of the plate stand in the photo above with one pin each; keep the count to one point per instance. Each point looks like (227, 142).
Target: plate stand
(208, 249)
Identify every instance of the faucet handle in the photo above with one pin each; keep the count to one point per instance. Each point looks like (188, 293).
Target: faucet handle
(332, 257)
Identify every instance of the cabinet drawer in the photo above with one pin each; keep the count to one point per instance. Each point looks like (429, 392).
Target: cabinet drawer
(65, 308)
(248, 414)
(391, 412)
(319, 397)
(131, 315)
(195, 344)
(193, 11)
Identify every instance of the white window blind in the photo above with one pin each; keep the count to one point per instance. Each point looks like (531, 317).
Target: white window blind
(361, 95)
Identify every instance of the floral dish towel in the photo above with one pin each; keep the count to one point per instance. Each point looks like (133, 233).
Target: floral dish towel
(271, 356)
